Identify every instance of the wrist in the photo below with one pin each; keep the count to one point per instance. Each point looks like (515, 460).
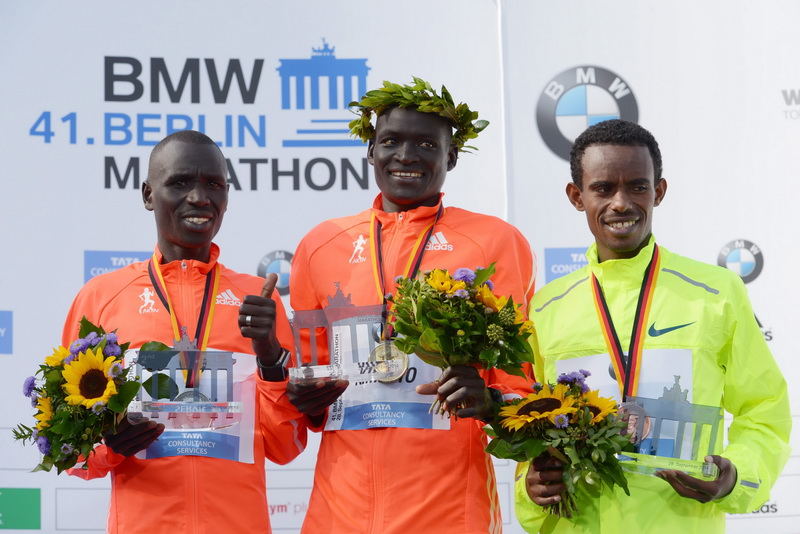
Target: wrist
(275, 371)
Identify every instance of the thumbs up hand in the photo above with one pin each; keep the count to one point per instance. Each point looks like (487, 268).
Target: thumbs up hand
(257, 322)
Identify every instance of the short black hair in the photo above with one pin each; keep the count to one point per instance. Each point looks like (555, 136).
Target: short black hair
(192, 137)
(613, 132)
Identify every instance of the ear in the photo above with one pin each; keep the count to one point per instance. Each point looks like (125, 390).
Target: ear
(147, 196)
(661, 190)
(452, 157)
(370, 151)
(574, 195)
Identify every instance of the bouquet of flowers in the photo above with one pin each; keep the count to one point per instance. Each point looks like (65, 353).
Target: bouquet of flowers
(457, 320)
(81, 394)
(571, 423)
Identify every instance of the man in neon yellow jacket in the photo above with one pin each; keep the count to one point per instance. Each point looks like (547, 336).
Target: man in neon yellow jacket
(698, 336)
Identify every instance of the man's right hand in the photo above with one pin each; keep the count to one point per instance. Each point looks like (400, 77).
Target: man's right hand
(130, 439)
(314, 398)
(545, 480)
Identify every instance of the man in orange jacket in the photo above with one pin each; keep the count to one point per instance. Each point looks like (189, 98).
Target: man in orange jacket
(397, 468)
(206, 480)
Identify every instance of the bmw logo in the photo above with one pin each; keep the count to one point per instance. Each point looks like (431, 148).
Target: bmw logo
(280, 262)
(578, 98)
(742, 257)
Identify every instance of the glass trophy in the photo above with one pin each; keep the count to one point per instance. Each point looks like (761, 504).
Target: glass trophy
(354, 338)
(671, 433)
(185, 389)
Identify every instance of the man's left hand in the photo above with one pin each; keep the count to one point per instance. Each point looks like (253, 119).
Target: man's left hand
(257, 321)
(461, 388)
(703, 490)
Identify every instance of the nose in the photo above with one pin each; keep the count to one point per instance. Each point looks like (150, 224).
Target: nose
(198, 195)
(620, 202)
(406, 153)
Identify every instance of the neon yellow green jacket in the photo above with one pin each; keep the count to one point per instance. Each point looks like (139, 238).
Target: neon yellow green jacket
(702, 335)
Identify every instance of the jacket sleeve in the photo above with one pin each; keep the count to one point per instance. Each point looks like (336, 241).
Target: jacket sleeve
(529, 514)
(282, 426)
(101, 462)
(755, 393)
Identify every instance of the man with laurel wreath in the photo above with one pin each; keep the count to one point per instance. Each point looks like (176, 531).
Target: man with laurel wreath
(401, 475)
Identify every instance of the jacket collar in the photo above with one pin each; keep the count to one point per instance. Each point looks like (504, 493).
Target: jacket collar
(627, 271)
(201, 267)
(421, 214)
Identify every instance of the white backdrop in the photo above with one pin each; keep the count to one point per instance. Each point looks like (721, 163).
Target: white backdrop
(716, 83)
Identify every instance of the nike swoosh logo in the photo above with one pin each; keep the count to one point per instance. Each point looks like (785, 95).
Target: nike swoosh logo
(654, 332)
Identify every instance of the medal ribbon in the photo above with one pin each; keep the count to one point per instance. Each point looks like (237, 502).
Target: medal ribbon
(204, 319)
(414, 259)
(627, 369)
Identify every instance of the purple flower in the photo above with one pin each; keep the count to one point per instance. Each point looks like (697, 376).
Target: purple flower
(35, 434)
(112, 350)
(28, 385)
(398, 279)
(66, 449)
(575, 378)
(462, 293)
(78, 346)
(92, 339)
(68, 359)
(111, 337)
(98, 407)
(561, 421)
(34, 400)
(465, 275)
(490, 285)
(44, 445)
(584, 372)
(115, 370)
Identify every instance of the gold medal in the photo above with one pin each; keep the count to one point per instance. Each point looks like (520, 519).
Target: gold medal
(387, 350)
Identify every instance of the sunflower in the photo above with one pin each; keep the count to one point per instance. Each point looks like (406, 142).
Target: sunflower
(539, 406)
(485, 295)
(55, 359)
(600, 407)
(45, 412)
(87, 379)
(440, 280)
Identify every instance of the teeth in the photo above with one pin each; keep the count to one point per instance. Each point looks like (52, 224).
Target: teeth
(403, 174)
(197, 220)
(622, 225)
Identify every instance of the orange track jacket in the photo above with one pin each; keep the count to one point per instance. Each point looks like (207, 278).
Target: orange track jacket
(187, 494)
(401, 480)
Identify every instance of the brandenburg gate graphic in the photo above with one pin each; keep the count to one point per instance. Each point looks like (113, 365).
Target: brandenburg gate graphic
(322, 64)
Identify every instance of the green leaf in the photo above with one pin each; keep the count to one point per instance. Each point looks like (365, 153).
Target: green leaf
(481, 275)
(429, 340)
(127, 391)
(86, 327)
(166, 388)
(155, 346)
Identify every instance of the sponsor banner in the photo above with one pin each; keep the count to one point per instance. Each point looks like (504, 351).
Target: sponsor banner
(6, 332)
(562, 261)
(105, 261)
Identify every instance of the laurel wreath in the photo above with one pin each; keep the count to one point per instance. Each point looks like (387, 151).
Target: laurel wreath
(420, 96)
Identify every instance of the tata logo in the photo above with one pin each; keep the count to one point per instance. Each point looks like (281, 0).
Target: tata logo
(97, 262)
(562, 261)
(578, 98)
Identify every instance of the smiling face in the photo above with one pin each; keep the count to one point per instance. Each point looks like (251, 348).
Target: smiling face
(411, 152)
(187, 190)
(618, 195)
